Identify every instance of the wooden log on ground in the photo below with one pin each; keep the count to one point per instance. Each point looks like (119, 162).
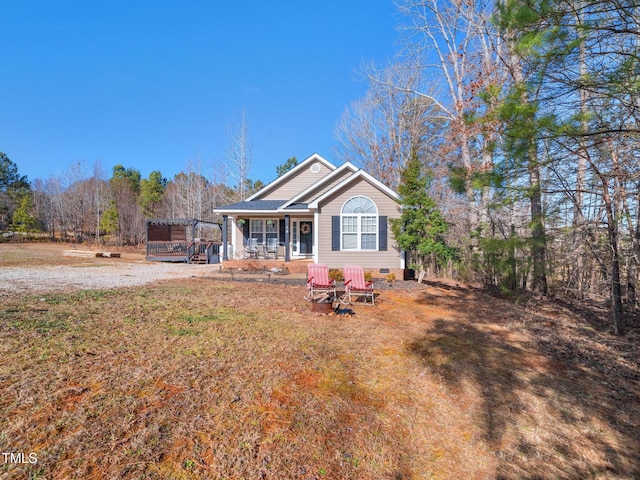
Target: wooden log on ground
(79, 253)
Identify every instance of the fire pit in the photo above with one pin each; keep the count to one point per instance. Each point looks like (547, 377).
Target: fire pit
(324, 307)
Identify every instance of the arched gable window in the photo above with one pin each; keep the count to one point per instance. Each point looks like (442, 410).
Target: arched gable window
(359, 221)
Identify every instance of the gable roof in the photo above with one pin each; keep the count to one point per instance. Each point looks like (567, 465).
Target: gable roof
(350, 179)
(324, 180)
(283, 178)
(299, 202)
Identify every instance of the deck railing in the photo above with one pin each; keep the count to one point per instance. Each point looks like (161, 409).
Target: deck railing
(167, 249)
(210, 249)
(182, 251)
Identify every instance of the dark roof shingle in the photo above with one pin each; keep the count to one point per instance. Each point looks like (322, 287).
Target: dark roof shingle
(257, 205)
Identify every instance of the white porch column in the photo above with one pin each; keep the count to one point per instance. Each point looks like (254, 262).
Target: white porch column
(234, 229)
(316, 236)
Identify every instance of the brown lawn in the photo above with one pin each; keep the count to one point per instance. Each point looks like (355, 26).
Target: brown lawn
(211, 378)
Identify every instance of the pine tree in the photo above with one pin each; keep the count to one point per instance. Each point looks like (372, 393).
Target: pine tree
(110, 219)
(421, 228)
(286, 166)
(151, 192)
(23, 221)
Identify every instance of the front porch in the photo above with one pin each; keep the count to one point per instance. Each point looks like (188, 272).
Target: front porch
(269, 237)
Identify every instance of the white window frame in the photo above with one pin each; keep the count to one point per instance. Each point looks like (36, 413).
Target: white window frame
(358, 216)
(265, 231)
(295, 237)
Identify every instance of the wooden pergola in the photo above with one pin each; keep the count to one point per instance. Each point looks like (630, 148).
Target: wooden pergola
(174, 240)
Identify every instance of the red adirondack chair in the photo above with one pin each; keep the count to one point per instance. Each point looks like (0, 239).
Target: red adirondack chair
(318, 282)
(356, 286)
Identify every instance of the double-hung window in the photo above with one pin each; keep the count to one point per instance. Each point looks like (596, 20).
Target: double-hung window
(257, 230)
(271, 231)
(359, 221)
(263, 230)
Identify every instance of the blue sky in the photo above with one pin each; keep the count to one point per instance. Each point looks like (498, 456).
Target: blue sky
(155, 85)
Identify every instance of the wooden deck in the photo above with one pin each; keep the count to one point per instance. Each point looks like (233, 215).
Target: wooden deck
(181, 251)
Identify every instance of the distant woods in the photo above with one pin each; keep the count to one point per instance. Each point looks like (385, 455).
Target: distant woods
(524, 118)
(525, 115)
(87, 204)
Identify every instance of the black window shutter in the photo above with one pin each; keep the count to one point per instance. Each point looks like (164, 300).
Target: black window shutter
(335, 233)
(245, 233)
(281, 229)
(382, 232)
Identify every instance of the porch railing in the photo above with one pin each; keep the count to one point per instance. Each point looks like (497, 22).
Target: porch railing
(210, 250)
(182, 251)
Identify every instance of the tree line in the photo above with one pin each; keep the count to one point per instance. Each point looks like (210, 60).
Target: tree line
(86, 205)
(517, 118)
(525, 116)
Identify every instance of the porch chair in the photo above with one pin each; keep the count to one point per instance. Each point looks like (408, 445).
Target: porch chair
(356, 286)
(318, 282)
(251, 251)
(271, 248)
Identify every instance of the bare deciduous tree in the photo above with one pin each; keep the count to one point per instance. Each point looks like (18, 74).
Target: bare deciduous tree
(381, 131)
(239, 154)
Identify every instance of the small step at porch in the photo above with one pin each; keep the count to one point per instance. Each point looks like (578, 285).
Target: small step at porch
(199, 259)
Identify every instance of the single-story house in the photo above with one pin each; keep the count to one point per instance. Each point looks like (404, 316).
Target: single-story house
(317, 211)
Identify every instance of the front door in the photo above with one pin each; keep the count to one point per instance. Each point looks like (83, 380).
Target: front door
(306, 237)
(302, 241)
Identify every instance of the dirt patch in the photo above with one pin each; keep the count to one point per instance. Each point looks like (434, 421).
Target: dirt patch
(44, 268)
(28, 268)
(210, 378)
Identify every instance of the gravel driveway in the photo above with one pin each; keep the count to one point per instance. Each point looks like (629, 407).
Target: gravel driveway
(92, 276)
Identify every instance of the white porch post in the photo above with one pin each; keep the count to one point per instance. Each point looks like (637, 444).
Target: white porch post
(233, 237)
(225, 244)
(287, 236)
(316, 236)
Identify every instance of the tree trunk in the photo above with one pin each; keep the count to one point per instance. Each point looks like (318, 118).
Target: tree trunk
(616, 290)
(635, 254)
(513, 273)
(538, 236)
(578, 217)
(612, 237)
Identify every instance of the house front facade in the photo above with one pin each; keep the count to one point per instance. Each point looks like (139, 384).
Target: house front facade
(319, 212)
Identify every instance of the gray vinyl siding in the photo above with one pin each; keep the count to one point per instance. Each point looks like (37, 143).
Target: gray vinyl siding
(296, 184)
(317, 192)
(368, 259)
(238, 248)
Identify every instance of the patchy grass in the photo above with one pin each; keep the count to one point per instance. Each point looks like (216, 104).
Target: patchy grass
(210, 379)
